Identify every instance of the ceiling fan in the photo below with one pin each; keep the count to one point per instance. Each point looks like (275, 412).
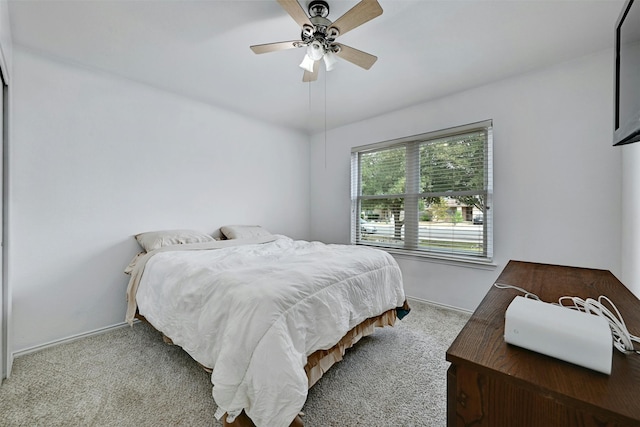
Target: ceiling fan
(319, 35)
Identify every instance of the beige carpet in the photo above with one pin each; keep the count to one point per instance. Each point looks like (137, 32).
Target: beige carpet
(129, 377)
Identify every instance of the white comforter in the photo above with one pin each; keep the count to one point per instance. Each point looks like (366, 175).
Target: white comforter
(255, 312)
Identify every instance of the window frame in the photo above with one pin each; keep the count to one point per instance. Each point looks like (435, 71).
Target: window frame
(409, 244)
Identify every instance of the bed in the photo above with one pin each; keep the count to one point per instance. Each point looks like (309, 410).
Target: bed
(268, 315)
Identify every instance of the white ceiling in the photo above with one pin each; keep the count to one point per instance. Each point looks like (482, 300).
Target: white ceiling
(427, 49)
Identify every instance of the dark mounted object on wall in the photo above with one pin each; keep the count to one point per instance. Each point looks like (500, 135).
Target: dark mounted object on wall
(626, 127)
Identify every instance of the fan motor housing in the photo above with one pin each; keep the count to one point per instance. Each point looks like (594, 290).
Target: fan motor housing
(318, 8)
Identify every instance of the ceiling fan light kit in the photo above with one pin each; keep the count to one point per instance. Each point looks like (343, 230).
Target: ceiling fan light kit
(330, 60)
(307, 63)
(318, 34)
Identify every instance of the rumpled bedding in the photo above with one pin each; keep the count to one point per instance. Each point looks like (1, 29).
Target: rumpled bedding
(254, 312)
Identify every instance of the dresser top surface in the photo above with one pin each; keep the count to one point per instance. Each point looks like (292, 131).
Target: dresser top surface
(481, 342)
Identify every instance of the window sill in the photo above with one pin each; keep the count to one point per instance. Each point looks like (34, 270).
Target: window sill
(459, 261)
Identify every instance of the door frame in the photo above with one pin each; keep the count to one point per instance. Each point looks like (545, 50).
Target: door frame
(6, 356)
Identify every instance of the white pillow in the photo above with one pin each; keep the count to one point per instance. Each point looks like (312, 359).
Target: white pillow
(243, 231)
(153, 240)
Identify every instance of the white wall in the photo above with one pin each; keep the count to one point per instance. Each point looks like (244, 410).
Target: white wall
(557, 178)
(96, 159)
(631, 217)
(631, 204)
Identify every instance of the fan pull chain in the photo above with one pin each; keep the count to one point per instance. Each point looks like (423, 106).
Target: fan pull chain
(325, 120)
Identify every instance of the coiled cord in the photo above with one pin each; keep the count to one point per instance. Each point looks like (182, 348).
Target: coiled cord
(623, 340)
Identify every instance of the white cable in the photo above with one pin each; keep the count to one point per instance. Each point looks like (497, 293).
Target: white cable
(622, 339)
(526, 293)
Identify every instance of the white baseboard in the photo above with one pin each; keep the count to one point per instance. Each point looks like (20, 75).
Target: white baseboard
(437, 304)
(72, 338)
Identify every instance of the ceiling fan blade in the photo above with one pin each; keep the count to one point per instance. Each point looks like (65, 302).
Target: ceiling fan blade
(355, 56)
(273, 47)
(311, 77)
(296, 11)
(362, 12)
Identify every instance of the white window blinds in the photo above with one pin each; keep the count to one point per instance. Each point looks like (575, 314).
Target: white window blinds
(429, 194)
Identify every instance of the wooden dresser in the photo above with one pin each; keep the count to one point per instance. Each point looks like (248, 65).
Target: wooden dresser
(491, 383)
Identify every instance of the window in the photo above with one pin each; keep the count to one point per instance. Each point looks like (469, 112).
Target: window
(428, 194)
